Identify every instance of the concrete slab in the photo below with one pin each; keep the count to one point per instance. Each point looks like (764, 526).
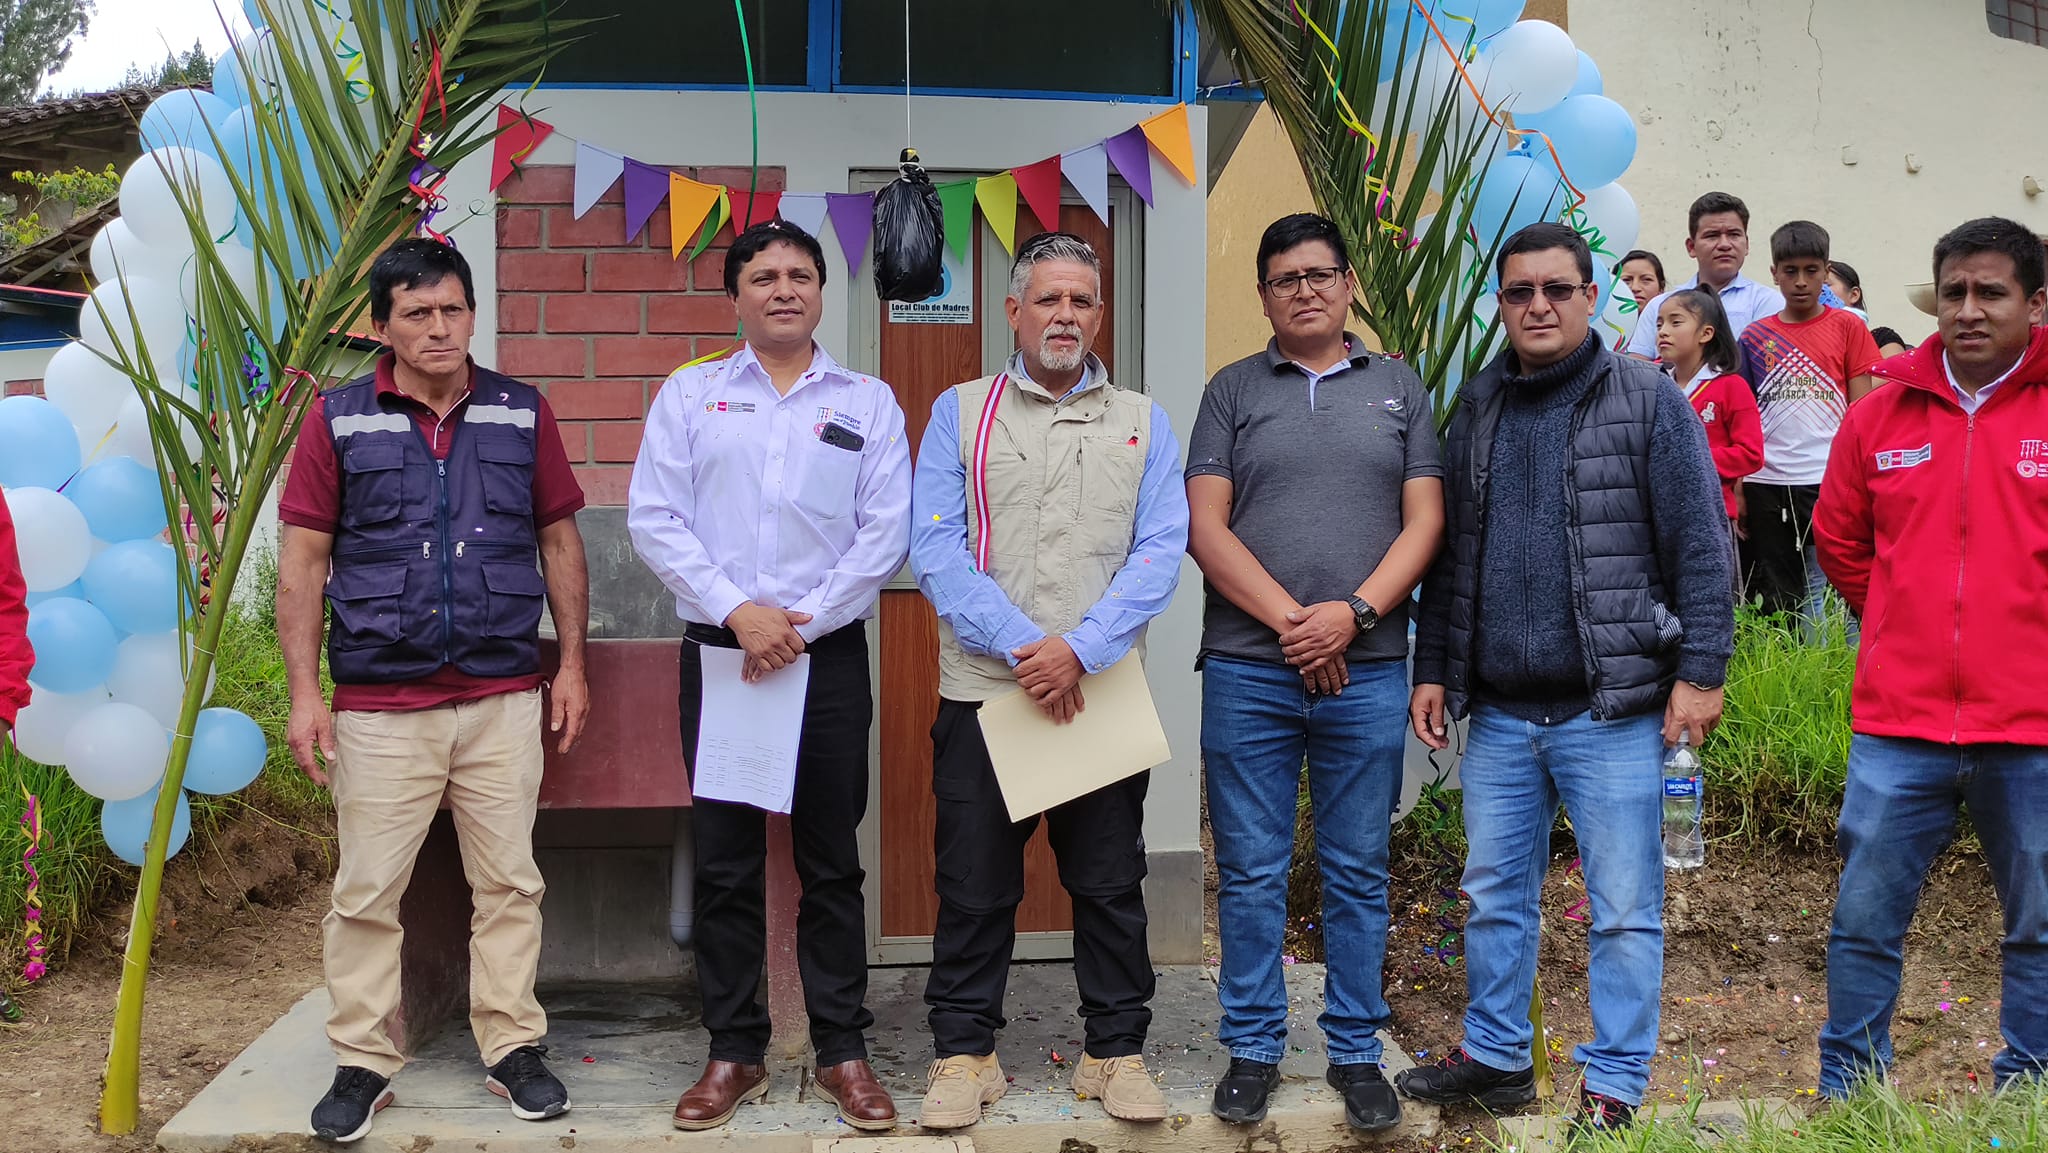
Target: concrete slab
(627, 1054)
(1712, 1120)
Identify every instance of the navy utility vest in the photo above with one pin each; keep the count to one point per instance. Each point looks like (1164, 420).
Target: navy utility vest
(435, 561)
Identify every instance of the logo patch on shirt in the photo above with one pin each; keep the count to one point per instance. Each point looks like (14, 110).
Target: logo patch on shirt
(1708, 415)
(1905, 457)
(1394, 404)
(2033, 460)
(728, 406)
(845, 420)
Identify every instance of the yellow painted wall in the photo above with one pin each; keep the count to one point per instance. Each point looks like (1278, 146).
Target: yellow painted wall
(1262, 183)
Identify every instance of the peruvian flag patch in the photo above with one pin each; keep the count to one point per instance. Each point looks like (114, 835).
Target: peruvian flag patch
(1905, 457)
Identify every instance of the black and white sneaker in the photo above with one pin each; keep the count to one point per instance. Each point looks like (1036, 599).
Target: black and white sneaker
(523, 1079)
(1458, 1079)
(345, 1114)
(1245, 1090)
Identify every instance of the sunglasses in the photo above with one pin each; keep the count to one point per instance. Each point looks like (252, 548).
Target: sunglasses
(1521, 294)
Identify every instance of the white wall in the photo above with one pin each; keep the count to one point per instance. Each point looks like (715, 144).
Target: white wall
(1770, 100)
(25, 363)
(821, 139)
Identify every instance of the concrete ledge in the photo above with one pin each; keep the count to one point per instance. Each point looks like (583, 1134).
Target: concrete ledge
(627, 1054)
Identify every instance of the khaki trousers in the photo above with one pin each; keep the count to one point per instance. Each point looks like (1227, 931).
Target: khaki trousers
(485, 755)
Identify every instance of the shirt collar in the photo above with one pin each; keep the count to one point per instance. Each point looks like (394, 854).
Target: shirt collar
(1093, 373)
(1741, 283)
(1983, 394)
(822, 367)
(387, 381)
(1353, 348)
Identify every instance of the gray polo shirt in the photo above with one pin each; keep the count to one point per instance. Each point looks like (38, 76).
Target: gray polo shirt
(1316, 465)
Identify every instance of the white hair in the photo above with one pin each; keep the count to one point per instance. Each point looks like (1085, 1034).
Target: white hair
(1047, 247)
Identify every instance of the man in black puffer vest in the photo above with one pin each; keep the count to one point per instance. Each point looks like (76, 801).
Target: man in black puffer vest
(1581, 617)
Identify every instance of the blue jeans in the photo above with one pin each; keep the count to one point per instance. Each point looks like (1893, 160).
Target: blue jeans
(1609, 775)
(1258, 724)
(1899, 814)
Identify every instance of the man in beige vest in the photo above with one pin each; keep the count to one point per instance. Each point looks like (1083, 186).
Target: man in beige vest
(1048, 523)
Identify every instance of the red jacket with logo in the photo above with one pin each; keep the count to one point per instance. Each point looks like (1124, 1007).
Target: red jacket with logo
(16, 657)
(1735, 430)
(1933, 524)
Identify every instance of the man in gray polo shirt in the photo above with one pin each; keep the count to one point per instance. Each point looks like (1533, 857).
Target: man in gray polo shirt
(1317, 504)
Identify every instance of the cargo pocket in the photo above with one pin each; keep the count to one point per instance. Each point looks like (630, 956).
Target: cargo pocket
(368, 606)
(516, 593)
(373, 484)
(507, 467)
(1112, 468)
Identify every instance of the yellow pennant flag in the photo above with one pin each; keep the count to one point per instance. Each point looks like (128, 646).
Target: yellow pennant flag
(689, 202)
(1168, 133)
(997, 196)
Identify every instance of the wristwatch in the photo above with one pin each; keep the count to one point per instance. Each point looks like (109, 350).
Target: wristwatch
(1704, 688)
(1363, 614)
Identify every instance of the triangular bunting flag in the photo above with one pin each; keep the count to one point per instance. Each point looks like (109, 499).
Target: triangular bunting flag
(749, 209)
(596, 172)
(518, 135)
(1168, 132)
(1088, 171)
(1126, 150)
(1040, 185)
(958, 200)
(805, 210)
(853, 218)
(997, 196)
(720, 213)
(689, 202)
(646, 186)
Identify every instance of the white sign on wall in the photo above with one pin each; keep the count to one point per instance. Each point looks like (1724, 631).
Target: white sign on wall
(953, 305)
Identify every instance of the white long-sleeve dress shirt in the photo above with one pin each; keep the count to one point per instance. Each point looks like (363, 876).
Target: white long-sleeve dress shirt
(740, 494)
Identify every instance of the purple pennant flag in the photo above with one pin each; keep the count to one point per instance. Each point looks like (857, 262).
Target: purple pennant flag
(853, 218)
(1129, 151)
(646, 188)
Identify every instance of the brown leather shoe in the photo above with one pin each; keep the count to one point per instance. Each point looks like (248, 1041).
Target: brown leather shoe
(719, 1093)
(862, 1100)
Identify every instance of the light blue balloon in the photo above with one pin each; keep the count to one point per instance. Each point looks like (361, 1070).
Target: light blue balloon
(1514, 192)
(1488, 18)
(1589, 82)
(38, 447)
(228, 750)
(126, 825)
(255, 160)
(74, 590)
(188, 116)
(74, 645)
(1391, 46)
(135, 583)
(1595, 140)
(254, 12)
(120, 499)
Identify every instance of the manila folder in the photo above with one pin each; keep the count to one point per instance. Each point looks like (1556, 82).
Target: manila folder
(1040, 764)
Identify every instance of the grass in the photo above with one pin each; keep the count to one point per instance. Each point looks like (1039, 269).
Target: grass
(1879, 1119)
(77, 874)
(1777, 766)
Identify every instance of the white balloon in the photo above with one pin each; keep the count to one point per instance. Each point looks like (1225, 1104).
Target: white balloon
(1529, 68)
(51, 536)
(116, 751)
(147, 674)
(108, 323)
(42, 726)
(85, 389)
(151, 208)
(131, 430)
(117, 252)
(1610, 215)
(240, 266)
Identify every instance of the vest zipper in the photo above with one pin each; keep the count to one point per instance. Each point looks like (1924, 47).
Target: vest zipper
(447, 573)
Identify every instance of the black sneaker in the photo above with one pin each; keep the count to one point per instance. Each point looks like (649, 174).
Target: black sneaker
(523, 1079)
(1369, 1102)
(344, 1115)
(1459, 1080)
(1599, 1113)
(1245, 1090)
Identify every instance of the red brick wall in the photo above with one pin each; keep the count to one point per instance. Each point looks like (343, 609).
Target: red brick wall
(598, 321)
(24, 388)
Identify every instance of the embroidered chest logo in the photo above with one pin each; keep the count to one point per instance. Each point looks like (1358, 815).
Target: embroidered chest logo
(1708, 415)
(1394, 404)
(1905, 457)
(2033, 460)
(827, 415)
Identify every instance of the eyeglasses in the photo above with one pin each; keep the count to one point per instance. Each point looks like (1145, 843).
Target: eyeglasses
(1556, 293)
(1318, 279)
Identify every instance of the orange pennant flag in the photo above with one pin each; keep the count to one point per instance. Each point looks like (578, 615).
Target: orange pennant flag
(1168, 133)
(1040, 184)
(689, 202)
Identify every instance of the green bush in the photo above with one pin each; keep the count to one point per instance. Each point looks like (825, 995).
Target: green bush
(1777, 766)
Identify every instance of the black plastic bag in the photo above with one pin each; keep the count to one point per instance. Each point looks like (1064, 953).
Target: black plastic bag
(910, 235)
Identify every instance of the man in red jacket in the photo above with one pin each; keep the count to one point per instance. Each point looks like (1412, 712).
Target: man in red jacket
(15, 655)
(1932, 522)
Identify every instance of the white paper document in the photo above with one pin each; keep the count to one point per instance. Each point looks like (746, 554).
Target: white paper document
(1040, 764)
(748, 733)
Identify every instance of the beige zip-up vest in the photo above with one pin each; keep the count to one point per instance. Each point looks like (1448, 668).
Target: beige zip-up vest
(1063, 482)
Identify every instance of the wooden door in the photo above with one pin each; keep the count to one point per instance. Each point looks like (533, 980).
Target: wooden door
(921, 361)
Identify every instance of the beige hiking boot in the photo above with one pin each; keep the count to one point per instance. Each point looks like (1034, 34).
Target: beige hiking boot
(1126, 1090)
(960, 1086)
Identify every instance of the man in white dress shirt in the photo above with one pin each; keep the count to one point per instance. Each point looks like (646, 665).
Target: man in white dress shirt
(1717, 236)
(772, 496)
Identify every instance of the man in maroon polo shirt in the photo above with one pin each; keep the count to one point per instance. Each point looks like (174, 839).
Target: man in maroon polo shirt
(433, 502)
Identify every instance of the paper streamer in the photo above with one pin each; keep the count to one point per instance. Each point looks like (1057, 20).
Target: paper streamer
(853, 218)
(1168, 132)
(646, 187)
(997, 196)
(518, 135)
(32, 902)
(689, 202)
(1039, 184)
(1088, 171)
(806, 211)
(957, 198)
(596, 171)
(751, 208)
(1132, 156)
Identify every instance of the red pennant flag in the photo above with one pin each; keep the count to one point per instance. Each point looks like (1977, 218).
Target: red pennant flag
(518, 135)
(749, 209)
(1040, 185)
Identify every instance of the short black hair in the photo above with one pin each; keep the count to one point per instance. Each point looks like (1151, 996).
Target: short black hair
(1300, 228)
(751, 243)
(1995, 234)
(1883, 336)
(1713, 204)
(1799, 240)
(412, 263)
(1542, 237)
(1644, 254)
(1724, 355)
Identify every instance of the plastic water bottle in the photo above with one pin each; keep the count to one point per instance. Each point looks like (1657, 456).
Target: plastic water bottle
(1685, 847)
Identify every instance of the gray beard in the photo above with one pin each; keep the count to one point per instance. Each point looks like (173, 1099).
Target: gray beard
(1060, 361)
